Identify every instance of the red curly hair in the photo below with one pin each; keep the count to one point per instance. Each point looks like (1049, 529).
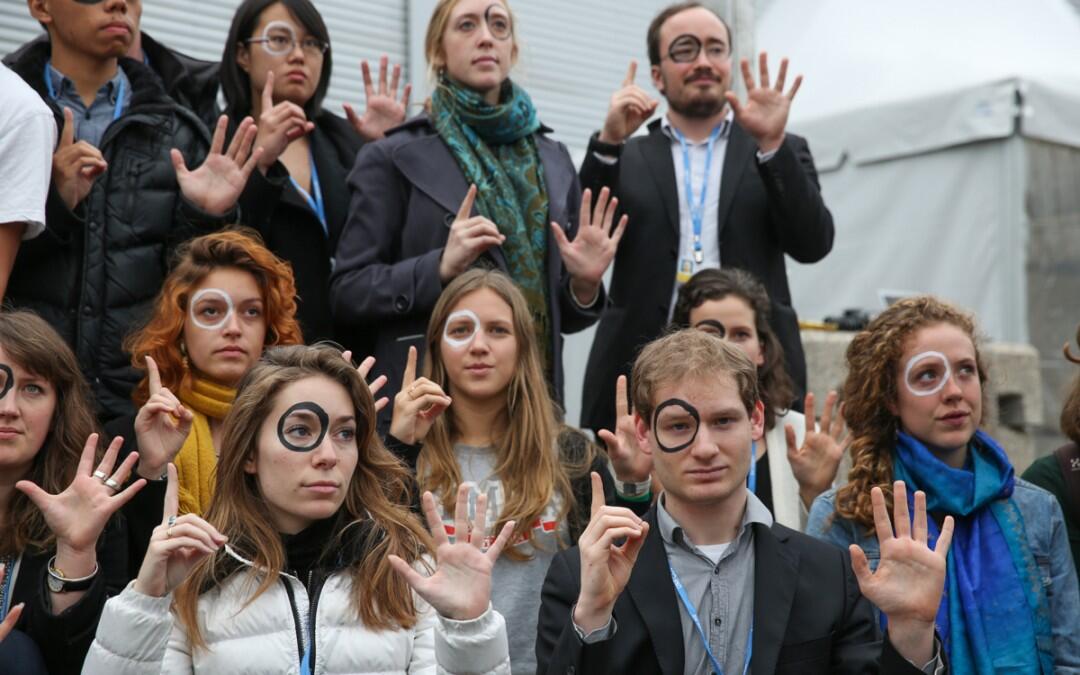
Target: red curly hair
(240, 248)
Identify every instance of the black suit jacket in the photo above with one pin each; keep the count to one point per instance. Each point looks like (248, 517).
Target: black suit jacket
(809, 616)
(766, 211)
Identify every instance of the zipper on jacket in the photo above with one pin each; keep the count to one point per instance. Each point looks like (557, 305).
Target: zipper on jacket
(314, 591)
(296, 617)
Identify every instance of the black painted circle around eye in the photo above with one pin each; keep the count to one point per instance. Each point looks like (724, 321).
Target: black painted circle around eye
(9, 382)
(312, 407)
(714, 324)
(675, 402)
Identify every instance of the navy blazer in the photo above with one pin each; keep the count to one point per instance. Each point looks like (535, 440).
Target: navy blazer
(406, 192)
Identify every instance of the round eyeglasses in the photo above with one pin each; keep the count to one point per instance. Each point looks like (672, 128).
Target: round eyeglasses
(279, 39)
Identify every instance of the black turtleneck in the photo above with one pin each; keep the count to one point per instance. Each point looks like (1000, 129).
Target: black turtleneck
(304, 551)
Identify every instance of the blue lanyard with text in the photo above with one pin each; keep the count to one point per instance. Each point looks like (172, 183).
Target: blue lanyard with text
(314, 200)
(697, 212)
(118, 108)
(751, 480)
(692, 611)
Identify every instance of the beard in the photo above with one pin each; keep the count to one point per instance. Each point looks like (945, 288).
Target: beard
(697, 105)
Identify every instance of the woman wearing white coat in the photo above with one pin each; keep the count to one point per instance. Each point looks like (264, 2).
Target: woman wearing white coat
(307, 560)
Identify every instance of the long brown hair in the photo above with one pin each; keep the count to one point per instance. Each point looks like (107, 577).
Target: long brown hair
(1070, 412)
(377, 497)
(527, 453)
(240, 248)
(871, 390)
(33, 344)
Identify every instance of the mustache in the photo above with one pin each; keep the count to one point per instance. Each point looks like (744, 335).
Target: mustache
(703, 73)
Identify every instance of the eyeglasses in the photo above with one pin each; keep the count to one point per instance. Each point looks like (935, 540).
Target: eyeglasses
(279, 39)
(499, 24)
(685, 49)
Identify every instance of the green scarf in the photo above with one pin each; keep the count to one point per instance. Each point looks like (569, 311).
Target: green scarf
(496, 149)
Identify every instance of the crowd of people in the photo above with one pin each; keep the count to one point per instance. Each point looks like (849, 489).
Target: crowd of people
(197, 476)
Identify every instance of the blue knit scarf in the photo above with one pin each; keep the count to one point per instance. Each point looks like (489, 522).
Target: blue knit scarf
(994, 615)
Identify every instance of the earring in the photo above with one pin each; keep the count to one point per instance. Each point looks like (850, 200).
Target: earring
(183, 356)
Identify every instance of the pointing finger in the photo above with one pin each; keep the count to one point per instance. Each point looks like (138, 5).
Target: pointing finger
(268, 92)
(598, 499)
(67, 134)
(153, 375)
(467, 204)
(631, 73)
(622, 403)
(410, 369)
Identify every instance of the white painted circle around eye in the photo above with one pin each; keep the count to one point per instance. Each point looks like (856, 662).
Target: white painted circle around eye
(919, 358)
(215, 293)
(278, 25)
(460, 343)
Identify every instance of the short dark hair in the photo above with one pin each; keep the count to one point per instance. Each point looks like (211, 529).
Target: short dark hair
(652, 37)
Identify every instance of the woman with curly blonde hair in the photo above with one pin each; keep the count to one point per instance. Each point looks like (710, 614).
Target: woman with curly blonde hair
(914, 402)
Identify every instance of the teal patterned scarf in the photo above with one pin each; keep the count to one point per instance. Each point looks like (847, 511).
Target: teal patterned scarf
(496, 149)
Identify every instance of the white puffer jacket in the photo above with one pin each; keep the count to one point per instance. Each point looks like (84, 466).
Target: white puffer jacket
(137, 634)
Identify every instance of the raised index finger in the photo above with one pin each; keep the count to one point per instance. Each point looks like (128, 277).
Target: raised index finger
(268, 92)
(622, 405)
(410, 369)
(466, 206)
(172, 495)
(598, 500)
(631, 73)
(67, 134)
(153, 375)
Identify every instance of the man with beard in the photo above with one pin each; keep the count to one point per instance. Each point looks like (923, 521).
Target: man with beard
(715, 183)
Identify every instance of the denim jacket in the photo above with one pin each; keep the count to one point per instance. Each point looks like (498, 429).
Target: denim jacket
(1045, 528)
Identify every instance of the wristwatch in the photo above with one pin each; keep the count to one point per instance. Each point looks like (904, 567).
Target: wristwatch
(58, 583)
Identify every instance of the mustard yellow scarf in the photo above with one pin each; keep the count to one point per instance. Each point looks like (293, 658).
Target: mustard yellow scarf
(196, 463)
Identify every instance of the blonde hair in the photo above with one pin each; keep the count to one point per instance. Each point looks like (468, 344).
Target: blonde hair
(436, 29)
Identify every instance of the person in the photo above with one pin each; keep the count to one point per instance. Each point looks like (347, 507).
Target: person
(734, 306)
(412, 227)
(714, 183)
(707, 581)
(27, 137)
(482, 417)
(122, 196)
(1059, 472)
(309, 515)
(276, 68)
(62, 545)
(914, 402)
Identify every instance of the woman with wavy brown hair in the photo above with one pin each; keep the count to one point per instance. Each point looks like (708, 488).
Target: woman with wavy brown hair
(914, 403)
(311, 514)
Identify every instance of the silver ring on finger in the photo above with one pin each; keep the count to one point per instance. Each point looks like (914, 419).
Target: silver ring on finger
(169, 526)
(100, 475)
(109, 482)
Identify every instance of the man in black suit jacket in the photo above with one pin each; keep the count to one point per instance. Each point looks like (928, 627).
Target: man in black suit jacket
(759, 597)
(758, 200)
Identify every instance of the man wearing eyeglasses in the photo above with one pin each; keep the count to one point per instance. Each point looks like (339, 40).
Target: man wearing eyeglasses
(706, 582)
(715, 183)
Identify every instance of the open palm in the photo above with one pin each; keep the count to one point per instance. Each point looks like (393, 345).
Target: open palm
(588, 256)
(764, 114)
(216, 185)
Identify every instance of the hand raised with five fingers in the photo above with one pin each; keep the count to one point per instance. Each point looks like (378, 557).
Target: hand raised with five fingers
(469, 237)
(588, 256)
(764, 114)
(161, 427)
(416, 405)
(78, 515)
(216, 185)
(279, 125)
(460, 587)
(384, 110)
(605, 567)
(909, 579)
(632, 462)
(176, 546)
(629, 108)
(816, 462)
(12, 618)
(75, 166)
(375, 385)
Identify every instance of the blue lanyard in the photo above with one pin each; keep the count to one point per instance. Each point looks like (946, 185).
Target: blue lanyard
(316, 201)
(751, 480)
(118, 108)
(697, 212)
(692, 611)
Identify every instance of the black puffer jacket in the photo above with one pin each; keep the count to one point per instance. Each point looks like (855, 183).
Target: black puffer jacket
(191, 82)
(94, 272)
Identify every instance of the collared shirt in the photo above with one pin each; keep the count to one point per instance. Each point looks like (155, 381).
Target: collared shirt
(90, 123)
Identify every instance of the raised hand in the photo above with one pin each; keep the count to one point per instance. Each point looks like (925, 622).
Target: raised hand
(909, 579)
(161, 427)
(460, 587)
(629, 108)
(384, 109)
(469, 237)
(12, 618)
(216, 185)
(765, 113)
(632, 462)
(816, 462)
(75, 165)
(375, 385)
(605, 567)
(279, 125)
(589, 255)
(416, 405)
(176, 546)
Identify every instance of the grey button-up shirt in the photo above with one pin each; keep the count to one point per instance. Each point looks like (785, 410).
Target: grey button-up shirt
(91, 123)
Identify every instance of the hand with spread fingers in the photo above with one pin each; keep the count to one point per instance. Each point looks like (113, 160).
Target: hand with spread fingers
(384, 109)
(216, 185)
(629, 108)
(417, 405)
(469, 237)
(460, 587)
(161, 427)
(605, 566)
(279, 125)
(764, 115)
(816, 462)
(589, 255)
(75, 166)
(910, 576)
(632, 462)
(176, 546)
(375, 385)
(12, 618)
